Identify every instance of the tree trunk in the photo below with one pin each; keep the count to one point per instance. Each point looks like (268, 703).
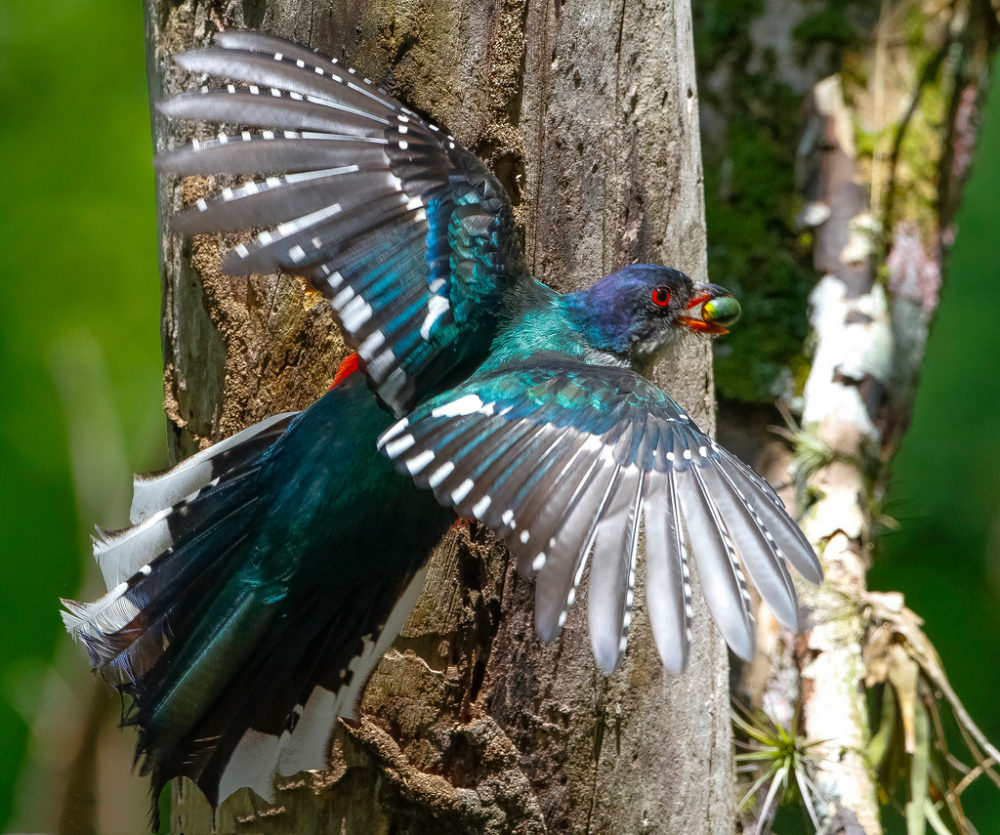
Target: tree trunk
(874, 105)
(588, 113)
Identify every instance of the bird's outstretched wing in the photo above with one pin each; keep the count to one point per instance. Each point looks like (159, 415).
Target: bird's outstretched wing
(564, 459)
(410, 237)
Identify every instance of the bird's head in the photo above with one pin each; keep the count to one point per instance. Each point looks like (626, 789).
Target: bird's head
(636, 312)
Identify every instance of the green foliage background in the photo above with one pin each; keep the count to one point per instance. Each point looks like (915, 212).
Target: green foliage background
(79, 310)
(945, 494)
(80, 384)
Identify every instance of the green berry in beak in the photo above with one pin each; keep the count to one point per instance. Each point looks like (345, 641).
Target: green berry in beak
(722, 310)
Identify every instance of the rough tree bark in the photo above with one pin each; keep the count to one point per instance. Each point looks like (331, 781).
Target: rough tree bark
(589, 114)
(875, 103)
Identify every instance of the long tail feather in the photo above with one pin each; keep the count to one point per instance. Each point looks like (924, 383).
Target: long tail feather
(241, 619)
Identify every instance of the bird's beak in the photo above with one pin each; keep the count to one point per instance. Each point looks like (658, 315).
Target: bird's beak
(712, 310)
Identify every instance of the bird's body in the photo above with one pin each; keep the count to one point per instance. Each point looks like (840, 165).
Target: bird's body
(265, 577)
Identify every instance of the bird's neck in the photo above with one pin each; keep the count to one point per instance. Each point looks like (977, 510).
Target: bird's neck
(541, 320)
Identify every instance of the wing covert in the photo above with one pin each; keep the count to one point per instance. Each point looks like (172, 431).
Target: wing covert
(408, 235)
(569, 461)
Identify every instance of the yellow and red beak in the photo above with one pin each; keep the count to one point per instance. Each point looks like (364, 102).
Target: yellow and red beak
(712, 310)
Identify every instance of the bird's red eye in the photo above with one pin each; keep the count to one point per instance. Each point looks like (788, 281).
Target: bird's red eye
(661, 297)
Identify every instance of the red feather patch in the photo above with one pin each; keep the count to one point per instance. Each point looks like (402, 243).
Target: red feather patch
(345, 370)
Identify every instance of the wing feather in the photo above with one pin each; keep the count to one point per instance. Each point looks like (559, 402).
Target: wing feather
(764, 563)
(570, 461)
(611, 590)
(273, 109)
(267, 44)
(409, 236)
(722, 578)
(668, 586)
(308, 77)
(562, 571)
(269, 201)
(787, 536)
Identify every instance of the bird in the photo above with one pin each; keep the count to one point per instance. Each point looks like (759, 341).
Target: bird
(262, 579)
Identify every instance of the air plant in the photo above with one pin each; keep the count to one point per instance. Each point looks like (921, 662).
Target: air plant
(781, 763)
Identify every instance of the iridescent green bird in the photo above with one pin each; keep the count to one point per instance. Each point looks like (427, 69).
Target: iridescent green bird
(265, 576)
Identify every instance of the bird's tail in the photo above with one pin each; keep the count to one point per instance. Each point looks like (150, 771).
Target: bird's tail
(236, 665)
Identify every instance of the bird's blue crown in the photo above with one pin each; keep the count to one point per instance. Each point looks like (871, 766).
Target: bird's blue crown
(627, 307)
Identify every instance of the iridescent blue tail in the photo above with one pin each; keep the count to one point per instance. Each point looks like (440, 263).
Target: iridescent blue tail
(241, 619)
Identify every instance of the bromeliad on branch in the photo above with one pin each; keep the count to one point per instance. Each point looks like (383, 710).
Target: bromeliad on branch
(264, 577)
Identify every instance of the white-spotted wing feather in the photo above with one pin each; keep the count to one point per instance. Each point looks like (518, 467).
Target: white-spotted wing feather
(528, 465)
(610, 590)
(667, 581)
(721, 576)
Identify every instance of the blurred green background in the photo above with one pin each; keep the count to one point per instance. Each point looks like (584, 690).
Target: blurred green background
(79, 363)
(80, 405)
(945, 492)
